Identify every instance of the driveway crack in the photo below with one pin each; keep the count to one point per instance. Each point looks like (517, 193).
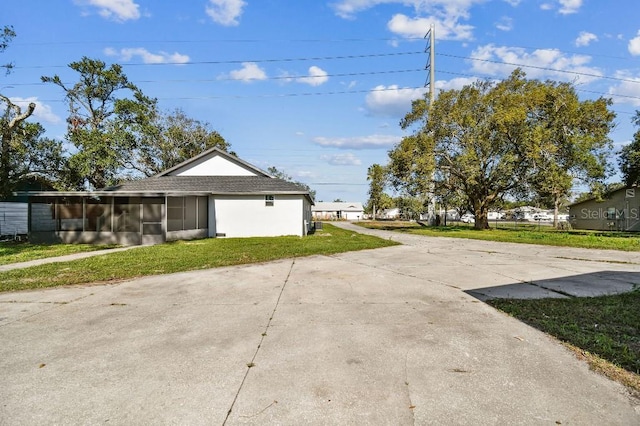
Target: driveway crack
(251, 364)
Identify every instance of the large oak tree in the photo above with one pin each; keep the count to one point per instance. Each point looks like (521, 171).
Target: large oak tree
(494, 139)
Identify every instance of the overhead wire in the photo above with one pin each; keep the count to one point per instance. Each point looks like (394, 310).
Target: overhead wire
(335, 57)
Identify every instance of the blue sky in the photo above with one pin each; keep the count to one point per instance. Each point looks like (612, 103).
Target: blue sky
(317, 88)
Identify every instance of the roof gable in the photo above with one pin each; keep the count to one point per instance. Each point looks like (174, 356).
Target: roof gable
(214, 162)
(338, 206)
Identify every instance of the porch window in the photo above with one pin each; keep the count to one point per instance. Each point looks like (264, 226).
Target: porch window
(184, 213)
(98, 215)
(126, 214)
(71, 214)
(152, 216)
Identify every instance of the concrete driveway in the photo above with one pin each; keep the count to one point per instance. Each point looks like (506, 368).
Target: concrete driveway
(390, 336)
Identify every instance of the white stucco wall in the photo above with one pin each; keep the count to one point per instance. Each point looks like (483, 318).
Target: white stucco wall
(215, 166)
(248, 216)
(352, 215)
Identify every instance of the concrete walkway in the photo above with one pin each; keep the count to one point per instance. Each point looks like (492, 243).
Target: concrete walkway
(390, 336)
(65, 258)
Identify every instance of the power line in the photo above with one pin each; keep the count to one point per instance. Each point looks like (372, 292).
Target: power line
(540, 68)
(279, 95)
(257, 61)
(211, 41)
(576, 89)
(286, 77)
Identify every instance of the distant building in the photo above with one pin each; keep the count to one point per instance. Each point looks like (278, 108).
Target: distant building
(619, 211)
(392, 213)
(337, 211)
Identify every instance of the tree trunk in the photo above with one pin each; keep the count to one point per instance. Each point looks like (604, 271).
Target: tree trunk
(481, 217)
(6, 188)
(556, 204)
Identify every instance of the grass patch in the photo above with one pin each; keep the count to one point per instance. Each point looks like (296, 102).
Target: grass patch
(15, 252)
(182, 256)
(603, 328)
(525, 234)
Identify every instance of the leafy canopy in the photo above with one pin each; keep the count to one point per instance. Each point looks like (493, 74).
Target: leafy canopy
(488, 140)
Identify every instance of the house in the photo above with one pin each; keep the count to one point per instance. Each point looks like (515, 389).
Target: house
(214, 194)
(620, 210)
(13, 219)
(392, 213)
(14, 210)
(337, 211)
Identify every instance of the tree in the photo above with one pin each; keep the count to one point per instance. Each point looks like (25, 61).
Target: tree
(6, 35)
(629, 160)
(494, 138)
(448, 193)
(479, 133)
(169, 139)
(409, 169)
(273, 171)
(11, 122)
(377, 177)
(31, 157)
(410, 207)
(101, 123)
(574, 145)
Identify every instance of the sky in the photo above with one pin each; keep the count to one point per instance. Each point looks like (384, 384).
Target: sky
(317, 88)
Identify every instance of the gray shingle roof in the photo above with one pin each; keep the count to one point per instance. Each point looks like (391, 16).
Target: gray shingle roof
(210, 184)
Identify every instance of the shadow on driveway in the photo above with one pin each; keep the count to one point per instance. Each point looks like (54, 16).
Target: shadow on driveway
(593, 284)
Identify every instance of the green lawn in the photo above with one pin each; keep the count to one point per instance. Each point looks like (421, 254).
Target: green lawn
(15, 252)
(526, 234)
(606, 326)
(185, 256)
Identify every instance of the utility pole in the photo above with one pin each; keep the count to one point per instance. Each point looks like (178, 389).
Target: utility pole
(431, 66)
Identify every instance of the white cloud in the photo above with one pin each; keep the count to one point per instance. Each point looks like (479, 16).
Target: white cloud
(455, 83)
(513, 3)
(347, 159)
(585, 38)
(117, 10)
(42, 112)
(541, 63)
(317, 76)
(565, 7)
(249, 72)
(627, 92)
(634, 45)
(505, 24)
(445, 14)
(304, 174)
(127, 53)
(391, 101)
(569, 6)
(448, 29)
(361, 142)
(225, 12)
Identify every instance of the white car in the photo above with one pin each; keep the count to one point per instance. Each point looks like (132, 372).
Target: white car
(467, 218)
(542, 217)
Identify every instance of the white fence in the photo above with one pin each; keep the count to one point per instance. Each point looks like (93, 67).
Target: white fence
(13, 218)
